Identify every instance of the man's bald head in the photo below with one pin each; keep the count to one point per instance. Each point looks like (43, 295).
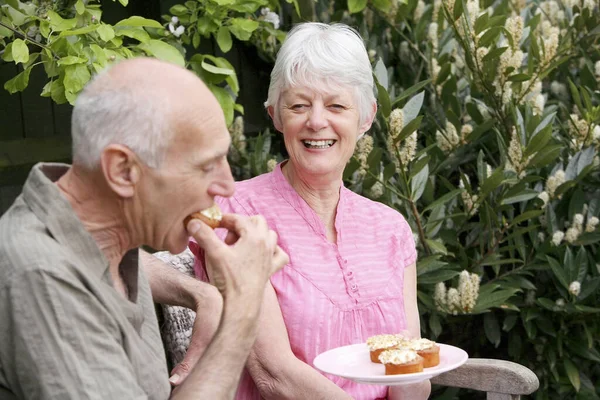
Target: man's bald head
(136, 103)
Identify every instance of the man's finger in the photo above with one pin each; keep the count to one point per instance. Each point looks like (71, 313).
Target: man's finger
(235, 223)
(231, 238)
(205, 236)
(280, 259)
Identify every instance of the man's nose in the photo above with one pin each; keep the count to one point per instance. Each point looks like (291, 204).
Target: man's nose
(317, 118)
(224, 186)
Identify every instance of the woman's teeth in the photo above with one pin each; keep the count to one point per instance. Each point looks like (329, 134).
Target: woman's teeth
(318, 144)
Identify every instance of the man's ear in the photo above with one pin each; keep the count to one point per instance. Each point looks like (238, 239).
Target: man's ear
(369, 121)
(275, 119)
(121, 169)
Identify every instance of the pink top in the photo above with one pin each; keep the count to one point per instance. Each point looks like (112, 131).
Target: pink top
(330, 294)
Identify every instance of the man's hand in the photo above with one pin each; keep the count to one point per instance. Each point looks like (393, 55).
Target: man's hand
(240, 266)
(208, 313)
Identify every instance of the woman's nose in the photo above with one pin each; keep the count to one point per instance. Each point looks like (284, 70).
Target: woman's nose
(317, 118)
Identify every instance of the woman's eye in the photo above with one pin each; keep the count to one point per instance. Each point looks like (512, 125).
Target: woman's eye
(298, 107)
(337, 107)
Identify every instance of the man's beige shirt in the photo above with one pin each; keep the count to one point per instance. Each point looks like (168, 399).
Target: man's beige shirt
(65, 332)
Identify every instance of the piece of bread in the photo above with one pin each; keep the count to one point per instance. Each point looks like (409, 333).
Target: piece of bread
(401, 361)
(210, 216)
(379, 343)
(427, 349)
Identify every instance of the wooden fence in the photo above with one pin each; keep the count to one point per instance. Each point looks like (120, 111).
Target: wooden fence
(33, 128)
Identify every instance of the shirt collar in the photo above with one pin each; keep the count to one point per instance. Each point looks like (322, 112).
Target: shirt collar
(290, 195)
(44, 199)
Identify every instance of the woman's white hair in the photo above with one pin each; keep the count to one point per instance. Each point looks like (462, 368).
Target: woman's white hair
(315, 55)
(109, 113)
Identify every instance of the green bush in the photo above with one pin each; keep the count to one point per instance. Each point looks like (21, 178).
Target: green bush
(486, 139)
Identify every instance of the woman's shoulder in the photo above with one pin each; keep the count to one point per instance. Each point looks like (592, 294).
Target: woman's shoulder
(247, 193)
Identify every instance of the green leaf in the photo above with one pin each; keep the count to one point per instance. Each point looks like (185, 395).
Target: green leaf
(20, 51)
(70, 60)
(106, 32)
(437, 276)
(429, 264)
(481, 129)
(79, 7)
(179, 10)
(445, 198)
(80, 31)
(59, 24)
(412, 107)
(224, 39)
(355, 6)
(163, 51)
(489, 36)
(435, 325)
(410, 91)
(519, 78)
(243, 28)
(384, 100)
(576, 97)
(573, 374)
(492, 55)
(509, 322)
(526, 194)
(418, 182)
(19, 82)
(526, 216)
(495, 299)
(492, 182)
(381, 73)
(139, 21)
(481, 23)
(458, 9)
(206, 25)
(437, 247)
(216, 70)
(389, 171)
(545, 156)
(491, 328)
(408, 129)
(226, 102)
(138, 34)
(588, 287)
(124, 2)
(559, 272)
(76, 77)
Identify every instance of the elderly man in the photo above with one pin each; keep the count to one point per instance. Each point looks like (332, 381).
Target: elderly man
(76, 314)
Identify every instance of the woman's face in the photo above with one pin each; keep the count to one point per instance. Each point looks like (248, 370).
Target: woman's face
(320, 129)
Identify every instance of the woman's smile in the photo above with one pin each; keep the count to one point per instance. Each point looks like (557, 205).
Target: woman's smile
(318, 144)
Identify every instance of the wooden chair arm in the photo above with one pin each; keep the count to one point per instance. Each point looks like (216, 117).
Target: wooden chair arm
(497, 377)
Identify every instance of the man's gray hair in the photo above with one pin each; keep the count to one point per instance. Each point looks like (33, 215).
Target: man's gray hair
(315, 54)
(111, 113)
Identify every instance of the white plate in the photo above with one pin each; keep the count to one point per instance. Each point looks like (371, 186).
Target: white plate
(353, 362)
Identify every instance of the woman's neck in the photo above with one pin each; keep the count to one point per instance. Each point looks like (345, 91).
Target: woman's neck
(322, 194)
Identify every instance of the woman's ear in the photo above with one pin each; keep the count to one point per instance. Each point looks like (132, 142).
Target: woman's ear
(369, 121)
(121, 169)
(275, 118)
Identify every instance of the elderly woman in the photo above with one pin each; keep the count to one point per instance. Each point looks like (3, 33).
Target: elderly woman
(352, 269)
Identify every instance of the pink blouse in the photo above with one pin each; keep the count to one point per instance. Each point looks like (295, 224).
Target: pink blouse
(330, 294)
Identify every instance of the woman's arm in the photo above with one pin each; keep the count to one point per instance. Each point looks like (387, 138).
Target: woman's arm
(276, 371)
(420, 390)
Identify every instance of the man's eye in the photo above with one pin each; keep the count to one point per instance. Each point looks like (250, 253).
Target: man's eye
(208, 167)
(337, 106)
